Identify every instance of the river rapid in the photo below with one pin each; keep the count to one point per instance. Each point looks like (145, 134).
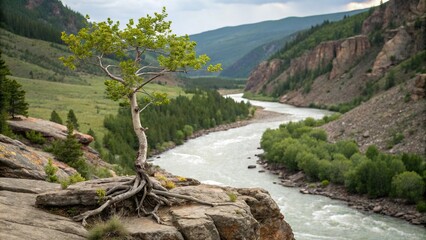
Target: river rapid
(221, 158)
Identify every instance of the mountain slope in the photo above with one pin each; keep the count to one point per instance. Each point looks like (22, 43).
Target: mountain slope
(39, 19)
(227, 45)
(372, 68)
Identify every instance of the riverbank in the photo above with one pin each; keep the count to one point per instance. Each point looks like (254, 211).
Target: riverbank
(260, 115)
(386, 206)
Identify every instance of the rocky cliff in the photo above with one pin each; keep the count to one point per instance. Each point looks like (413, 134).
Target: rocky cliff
(254, 215)
(391, 34)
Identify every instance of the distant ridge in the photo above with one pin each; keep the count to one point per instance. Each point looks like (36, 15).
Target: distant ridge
(229, 44)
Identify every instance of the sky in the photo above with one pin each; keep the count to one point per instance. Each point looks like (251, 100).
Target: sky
(195, 16)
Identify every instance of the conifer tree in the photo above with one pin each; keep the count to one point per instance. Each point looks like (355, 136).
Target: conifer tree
(16, 101)
(54, 117)
(4, 95)
(72, 119)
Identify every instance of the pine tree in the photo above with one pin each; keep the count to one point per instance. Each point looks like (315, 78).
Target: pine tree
(16, 101)
(72, 119)
(54, 117)
(4, 96)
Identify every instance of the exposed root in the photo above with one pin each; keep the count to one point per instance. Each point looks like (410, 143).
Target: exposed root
(153, 197)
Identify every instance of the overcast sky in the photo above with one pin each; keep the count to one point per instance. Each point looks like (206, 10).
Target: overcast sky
(195, 16)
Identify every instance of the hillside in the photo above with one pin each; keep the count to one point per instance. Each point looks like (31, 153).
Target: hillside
(39, 19)
(344, 64)
(228, 45)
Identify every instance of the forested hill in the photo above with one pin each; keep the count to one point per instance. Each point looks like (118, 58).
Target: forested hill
(39, 19)
(229, 44)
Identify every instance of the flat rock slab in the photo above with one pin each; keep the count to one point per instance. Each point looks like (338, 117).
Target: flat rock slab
(20, 219)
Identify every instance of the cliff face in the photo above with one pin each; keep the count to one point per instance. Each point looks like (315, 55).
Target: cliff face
(354, 61)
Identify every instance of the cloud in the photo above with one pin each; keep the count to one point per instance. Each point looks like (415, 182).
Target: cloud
(363, 4)
(195, 16)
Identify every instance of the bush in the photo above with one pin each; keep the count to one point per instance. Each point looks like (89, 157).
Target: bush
(72, 180)
(35, 137)
(50, 171)
(111, 229)
(421, 206)
(409, 186)
(325, 183)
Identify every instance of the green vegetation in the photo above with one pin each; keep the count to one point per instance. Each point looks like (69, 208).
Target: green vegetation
(416, 63)
(101, 194)
(38, 21)
(259, 97)
(172, 122)
(113, 229)
(301, 146)
(71, 118)
(75, 178)
(54, 117)
(35, 137)
(69, 151)
(50, 171)
(232, 196)
(213, 83)
(12, 98)
(327, 31)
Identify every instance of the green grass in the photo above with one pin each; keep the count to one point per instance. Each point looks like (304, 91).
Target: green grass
(88, 102)
(259, 97)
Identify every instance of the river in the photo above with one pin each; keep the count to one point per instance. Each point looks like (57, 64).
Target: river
(222, 158)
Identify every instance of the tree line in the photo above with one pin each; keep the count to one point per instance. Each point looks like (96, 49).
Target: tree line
(301, 146)
(169, 124)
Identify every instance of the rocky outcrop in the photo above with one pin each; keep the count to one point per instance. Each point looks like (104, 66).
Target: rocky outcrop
(48, 129)
(394, 50)
(347, 53)
(20, 161)
(262, 74)
(20, 219)
(254, 215)
(393, 13)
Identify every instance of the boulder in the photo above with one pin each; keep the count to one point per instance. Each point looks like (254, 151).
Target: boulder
(20, 161)
(20, 219)
(48, 129)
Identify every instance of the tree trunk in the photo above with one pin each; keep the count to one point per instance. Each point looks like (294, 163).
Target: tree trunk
(140, 133)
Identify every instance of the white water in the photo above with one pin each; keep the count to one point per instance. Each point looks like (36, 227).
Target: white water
(221, 158)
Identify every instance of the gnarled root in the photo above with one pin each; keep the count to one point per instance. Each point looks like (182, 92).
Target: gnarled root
(146, 193)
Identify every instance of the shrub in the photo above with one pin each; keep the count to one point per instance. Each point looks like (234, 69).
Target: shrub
(232, 196)
(347, 148)
(409, 186)
(111, 229)
(72, 180)
(414, 162)
(50, 171)
(325, 183)
(421, 206)
(35, 137)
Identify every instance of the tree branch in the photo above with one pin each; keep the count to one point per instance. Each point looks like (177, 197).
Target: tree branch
(105, 69)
